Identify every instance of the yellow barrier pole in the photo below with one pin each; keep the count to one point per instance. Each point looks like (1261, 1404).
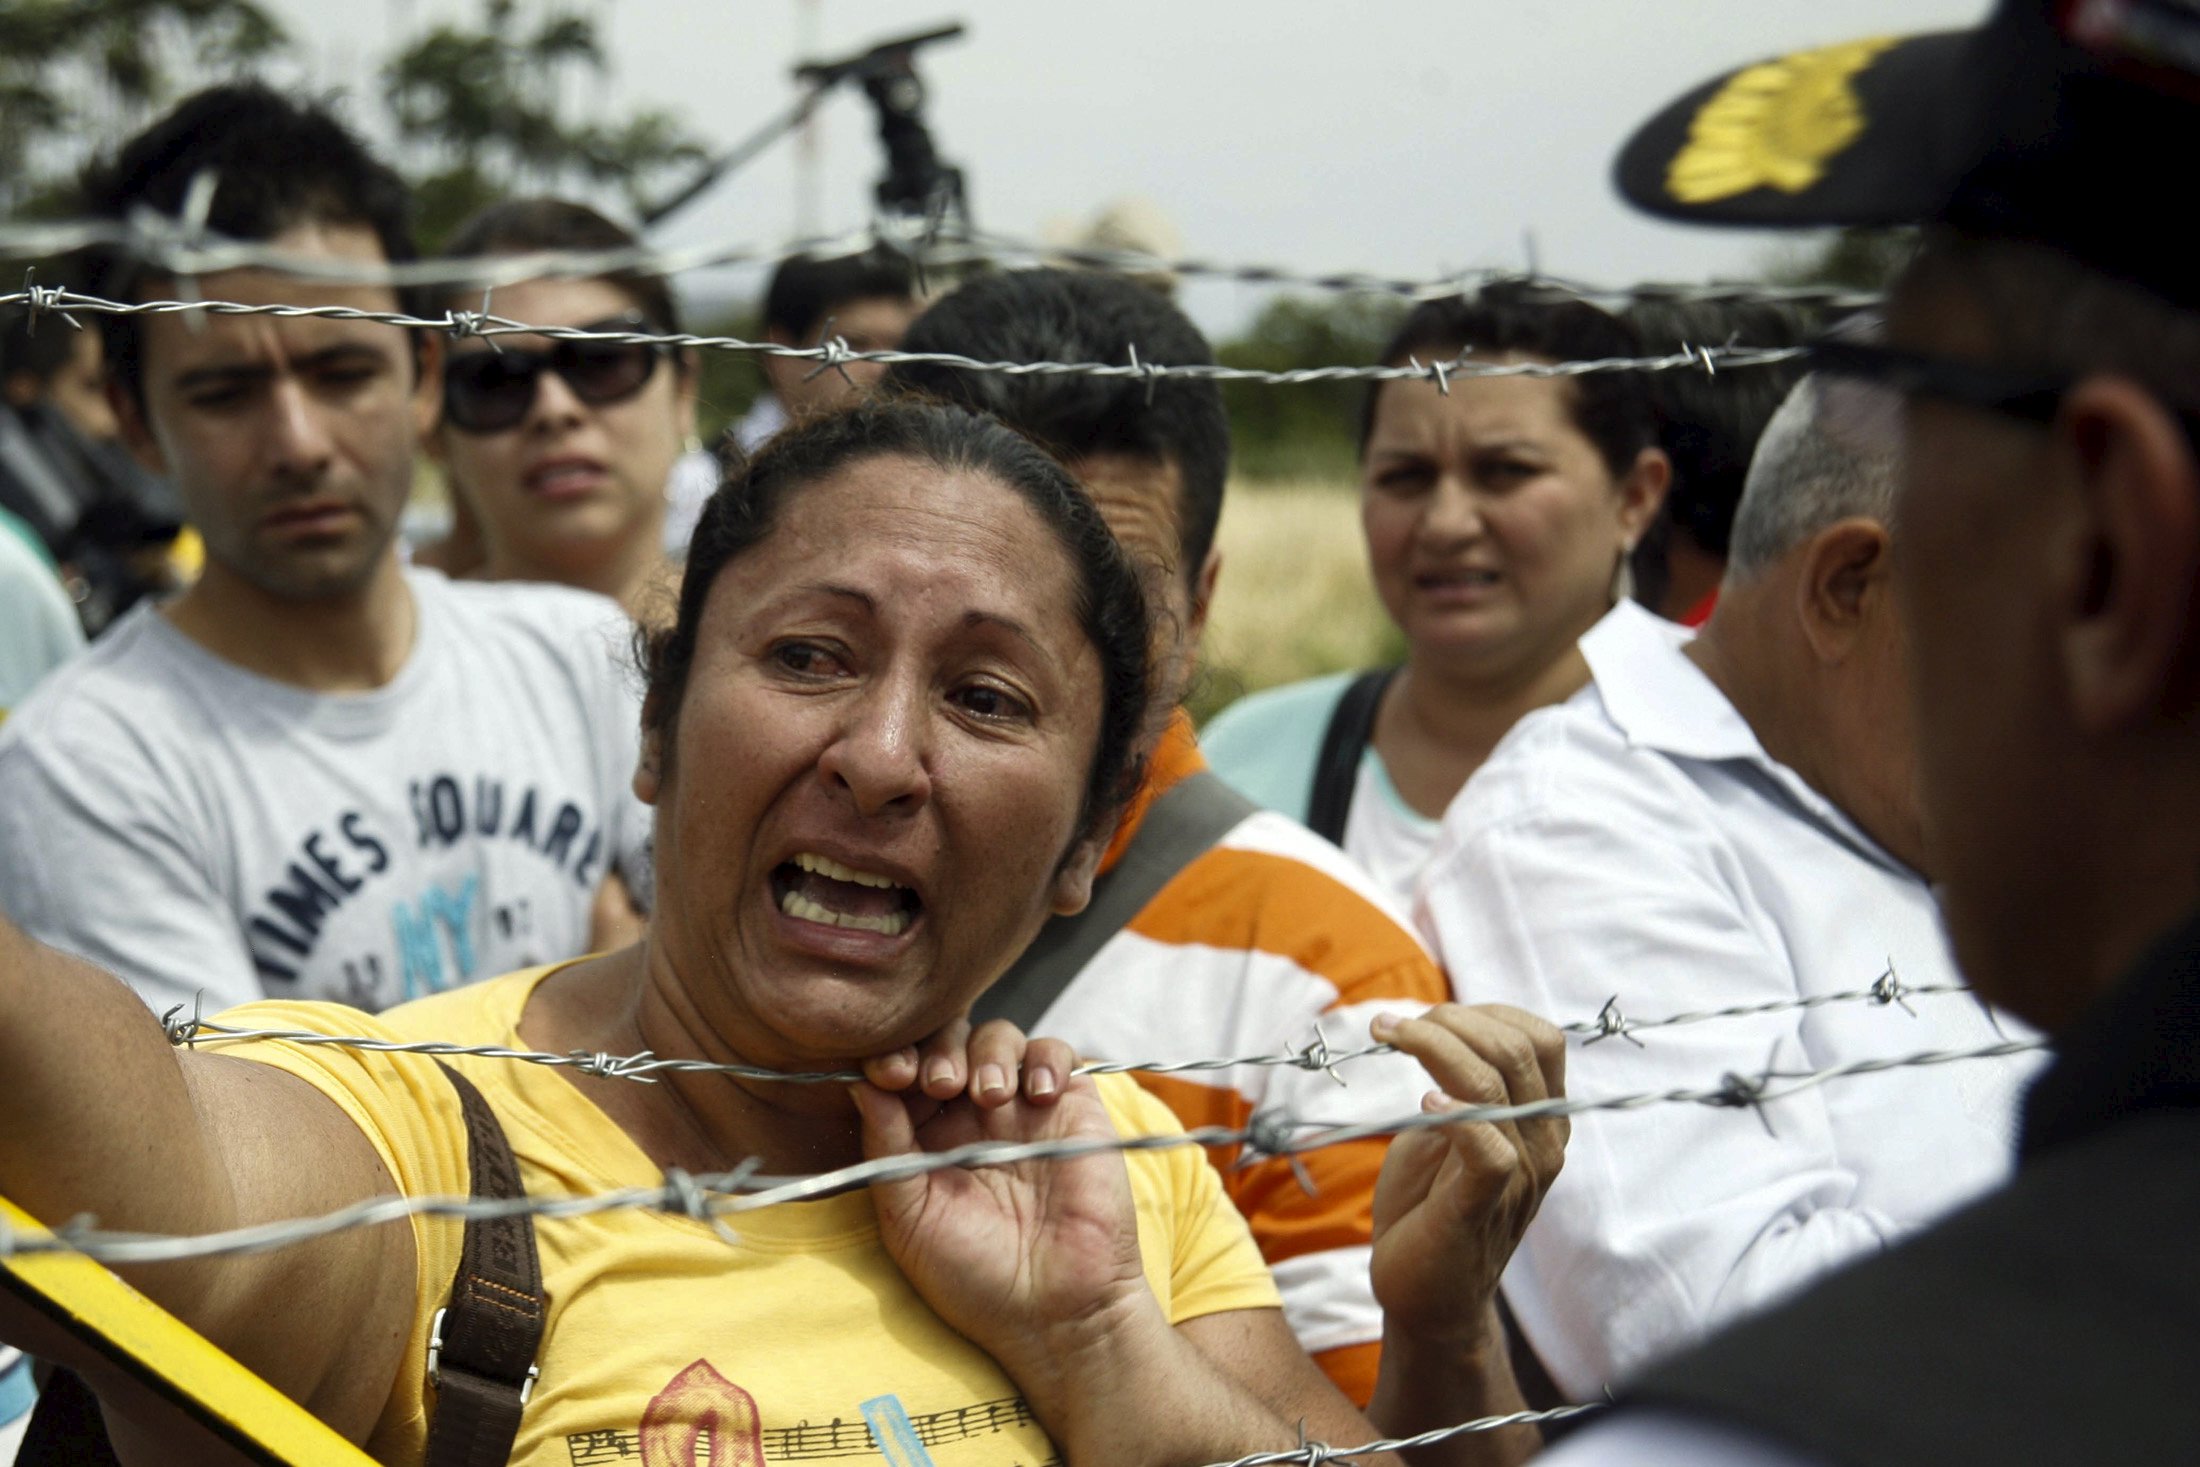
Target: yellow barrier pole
(172, 1382)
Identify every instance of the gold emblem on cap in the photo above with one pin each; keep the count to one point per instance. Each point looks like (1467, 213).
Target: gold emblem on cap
(1774, 125)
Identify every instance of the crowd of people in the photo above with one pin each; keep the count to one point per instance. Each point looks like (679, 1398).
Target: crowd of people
(1807, 719)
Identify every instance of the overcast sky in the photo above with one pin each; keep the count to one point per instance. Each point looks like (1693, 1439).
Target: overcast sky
(1412, 136)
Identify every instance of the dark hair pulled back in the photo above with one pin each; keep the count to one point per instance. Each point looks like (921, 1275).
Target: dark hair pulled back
(1111, 604)
(1613, 410)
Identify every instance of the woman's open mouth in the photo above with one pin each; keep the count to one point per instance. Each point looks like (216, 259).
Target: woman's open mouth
(814, 888)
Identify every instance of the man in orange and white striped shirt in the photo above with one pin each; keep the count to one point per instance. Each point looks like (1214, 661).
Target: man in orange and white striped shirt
(1269, 938)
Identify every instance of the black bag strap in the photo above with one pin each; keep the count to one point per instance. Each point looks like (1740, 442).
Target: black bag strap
(1183, 823)
(1337, 766)
(482, 1346)
(66, 1429)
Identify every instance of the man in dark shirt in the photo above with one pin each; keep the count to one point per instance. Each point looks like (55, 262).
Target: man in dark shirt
(2046, 346)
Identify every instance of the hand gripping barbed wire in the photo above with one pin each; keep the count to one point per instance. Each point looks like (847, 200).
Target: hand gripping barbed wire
(162, 244)
(1315, 1056)
(727, 1194)
(837, 354)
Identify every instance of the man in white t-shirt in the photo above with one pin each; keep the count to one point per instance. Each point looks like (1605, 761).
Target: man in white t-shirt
(1722, 822)
(313, 774)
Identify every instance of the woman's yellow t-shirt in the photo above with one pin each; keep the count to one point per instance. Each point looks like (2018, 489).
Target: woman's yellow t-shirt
(668, 1346)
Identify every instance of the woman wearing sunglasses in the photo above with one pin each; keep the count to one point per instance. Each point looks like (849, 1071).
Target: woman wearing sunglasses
(560, 450)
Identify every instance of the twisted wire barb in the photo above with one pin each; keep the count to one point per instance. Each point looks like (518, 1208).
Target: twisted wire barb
(160, 243)
(725, 1194)
(836, 352)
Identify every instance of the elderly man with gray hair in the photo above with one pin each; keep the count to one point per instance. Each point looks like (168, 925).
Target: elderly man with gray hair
(1728, 821)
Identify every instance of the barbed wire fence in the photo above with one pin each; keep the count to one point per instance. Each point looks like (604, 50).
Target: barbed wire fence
(834, 353)
(186, 251)
(716, 1197)
(713, 1197)
(189, 1030)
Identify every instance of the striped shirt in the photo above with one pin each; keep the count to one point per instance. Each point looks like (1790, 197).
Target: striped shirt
(1267, 939)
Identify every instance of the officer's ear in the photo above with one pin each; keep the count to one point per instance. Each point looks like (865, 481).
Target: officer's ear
(2127, 577)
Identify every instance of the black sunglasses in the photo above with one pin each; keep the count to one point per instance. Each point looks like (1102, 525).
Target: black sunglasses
(2028, 396)
(491, 391)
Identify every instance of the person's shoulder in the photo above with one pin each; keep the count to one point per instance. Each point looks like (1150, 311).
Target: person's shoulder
(532, 621)
(1266, 743)
(1285, 864)
(123, 688)
(1561, 762)
(474, 1013)
(536, 606)
(1292, 703)
(1272, 887)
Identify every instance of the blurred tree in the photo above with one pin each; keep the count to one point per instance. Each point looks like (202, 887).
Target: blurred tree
(482, 114)
(74, 69)
(1305, 432)
(727, 382)
(478, 112)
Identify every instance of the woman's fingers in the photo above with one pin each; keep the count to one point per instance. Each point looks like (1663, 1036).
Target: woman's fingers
(1491, 1153)
(937, 1066)
(944, 1060)
(1002, 1061)
(991, 1064)
(1492, 1055)
(896, 1070)
(997, 1058)
(888, 1129)
(1485, 1054)
(1048, 1066)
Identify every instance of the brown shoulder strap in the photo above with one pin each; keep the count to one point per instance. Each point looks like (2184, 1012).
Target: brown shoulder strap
(481, 1351)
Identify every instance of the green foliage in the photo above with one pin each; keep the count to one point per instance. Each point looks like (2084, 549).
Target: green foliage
(1304, 432)
(480, 112)
(727, 382)
(481, 115)
(71, 69)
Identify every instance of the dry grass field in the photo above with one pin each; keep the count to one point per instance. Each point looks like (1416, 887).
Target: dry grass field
(1294, 599)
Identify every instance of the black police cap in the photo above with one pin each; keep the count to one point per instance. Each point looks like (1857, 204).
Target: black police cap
(2065, 122)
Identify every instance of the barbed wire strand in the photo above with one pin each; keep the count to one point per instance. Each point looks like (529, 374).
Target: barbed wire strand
(835, 352)
(1313, 1454)
(1887, 990)
(192, 1031)
(168, 246)
(713, 1197)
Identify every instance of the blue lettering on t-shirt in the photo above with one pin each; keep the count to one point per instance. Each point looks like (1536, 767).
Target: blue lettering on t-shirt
(336, 863)
(440, 910)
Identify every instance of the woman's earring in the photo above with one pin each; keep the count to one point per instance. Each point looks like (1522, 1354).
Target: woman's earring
(1623, 576)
